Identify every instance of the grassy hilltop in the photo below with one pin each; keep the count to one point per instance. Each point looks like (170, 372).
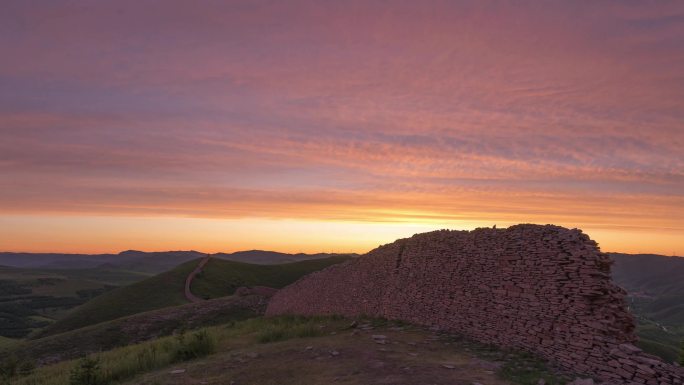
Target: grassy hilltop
(219, 278)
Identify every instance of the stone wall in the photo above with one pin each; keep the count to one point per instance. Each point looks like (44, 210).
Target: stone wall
(544, 289)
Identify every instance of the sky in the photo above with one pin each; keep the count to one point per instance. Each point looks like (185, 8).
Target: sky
(337, 126)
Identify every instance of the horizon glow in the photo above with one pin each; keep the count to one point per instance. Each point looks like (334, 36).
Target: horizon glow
(298, 126)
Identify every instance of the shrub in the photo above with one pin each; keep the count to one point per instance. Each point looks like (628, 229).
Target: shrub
(199, 344)
(12, 367)
(146, 358)
(9, 366)
(25, 368)
(86, 372)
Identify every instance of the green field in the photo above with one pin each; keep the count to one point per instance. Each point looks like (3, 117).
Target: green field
(219, 278)
(30, 299)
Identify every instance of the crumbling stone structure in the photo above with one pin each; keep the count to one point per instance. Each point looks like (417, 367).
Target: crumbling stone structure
(543, 289)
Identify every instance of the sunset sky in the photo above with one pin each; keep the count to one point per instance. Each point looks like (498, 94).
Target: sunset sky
(337, 125)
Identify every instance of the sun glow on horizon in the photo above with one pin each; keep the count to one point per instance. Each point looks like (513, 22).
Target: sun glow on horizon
(327, 126)
(97, 235)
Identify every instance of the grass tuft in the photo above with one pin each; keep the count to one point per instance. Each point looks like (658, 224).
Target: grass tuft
(124, 363)
(277, 333)
(526, 369)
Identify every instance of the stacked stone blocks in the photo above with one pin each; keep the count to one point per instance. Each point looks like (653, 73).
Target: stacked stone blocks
(543, 289)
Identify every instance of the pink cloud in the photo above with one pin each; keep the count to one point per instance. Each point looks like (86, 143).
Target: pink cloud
(568, 111)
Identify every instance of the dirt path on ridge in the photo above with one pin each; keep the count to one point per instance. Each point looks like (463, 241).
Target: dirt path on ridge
(188, 281)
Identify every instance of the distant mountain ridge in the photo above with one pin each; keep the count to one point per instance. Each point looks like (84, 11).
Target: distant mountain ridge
(141, 261)
(265, 257)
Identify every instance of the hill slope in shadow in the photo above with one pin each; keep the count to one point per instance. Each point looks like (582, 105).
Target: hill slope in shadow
(655, 287)
(219, 278)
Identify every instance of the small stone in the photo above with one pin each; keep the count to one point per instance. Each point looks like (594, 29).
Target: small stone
(308, 347)
(177, 371)
(541, 382)
(448, 366)
(379, 337)
(334, 353)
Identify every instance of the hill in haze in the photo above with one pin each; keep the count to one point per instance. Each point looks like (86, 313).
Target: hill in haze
(141, 261)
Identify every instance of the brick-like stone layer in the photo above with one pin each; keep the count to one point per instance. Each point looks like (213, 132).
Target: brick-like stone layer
(544, 289)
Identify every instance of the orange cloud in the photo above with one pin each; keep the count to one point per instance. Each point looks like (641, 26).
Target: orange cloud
(441, 113)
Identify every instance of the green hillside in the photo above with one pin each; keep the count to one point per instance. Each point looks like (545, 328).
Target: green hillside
(655, 287)
(162, 290)
(219, 278)
(33, 298)
(133, 329)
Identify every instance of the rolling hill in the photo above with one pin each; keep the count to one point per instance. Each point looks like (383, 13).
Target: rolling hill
(33, 298)
(263, 257)
(135, 329)
(219, 278)
(655, 287)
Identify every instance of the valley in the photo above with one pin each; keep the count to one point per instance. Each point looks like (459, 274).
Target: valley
(138, 310)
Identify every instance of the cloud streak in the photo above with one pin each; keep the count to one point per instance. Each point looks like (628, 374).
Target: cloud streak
(392, 112)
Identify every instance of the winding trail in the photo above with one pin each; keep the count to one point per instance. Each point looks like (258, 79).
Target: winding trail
(188, 281)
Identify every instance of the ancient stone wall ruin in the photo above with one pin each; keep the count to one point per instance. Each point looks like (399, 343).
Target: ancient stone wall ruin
(544, 289)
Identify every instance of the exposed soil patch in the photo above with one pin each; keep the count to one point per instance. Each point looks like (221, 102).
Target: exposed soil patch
(386, 355)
